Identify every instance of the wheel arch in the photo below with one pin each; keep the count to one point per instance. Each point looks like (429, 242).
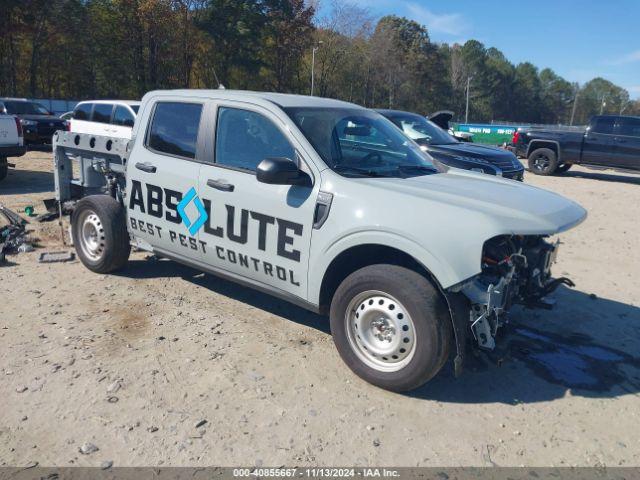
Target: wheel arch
(550, 144)
(358, 256)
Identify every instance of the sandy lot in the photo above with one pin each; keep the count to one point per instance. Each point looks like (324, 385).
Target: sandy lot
(162, 365)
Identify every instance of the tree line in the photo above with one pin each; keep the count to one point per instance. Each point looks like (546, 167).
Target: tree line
(84, 49)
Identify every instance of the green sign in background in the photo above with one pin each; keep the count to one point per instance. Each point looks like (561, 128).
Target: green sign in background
(488, 134)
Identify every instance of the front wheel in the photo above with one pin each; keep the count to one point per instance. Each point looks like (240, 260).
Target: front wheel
(391, 327)
(543, 161)
(99, 230)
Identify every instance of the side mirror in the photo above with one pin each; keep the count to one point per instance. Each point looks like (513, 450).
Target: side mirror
(281, 171)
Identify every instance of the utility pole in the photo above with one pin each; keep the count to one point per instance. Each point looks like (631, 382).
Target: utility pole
(466, 115)
(575, 104)
(313, 65)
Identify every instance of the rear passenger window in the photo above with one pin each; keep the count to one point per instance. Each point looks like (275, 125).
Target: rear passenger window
(244, 139)
(629, 126)
(122, 116)
(174, 129)
(102, 113)
(603, 125)
(83, 112)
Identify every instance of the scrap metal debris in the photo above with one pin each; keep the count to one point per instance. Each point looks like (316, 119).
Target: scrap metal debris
(53, 257)
(13, 236)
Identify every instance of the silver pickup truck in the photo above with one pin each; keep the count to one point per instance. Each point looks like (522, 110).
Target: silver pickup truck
(324, 204)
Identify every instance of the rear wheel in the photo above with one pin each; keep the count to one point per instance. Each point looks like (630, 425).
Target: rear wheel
(391, 327)
(4, 168)
(543, 161)
(99, 230)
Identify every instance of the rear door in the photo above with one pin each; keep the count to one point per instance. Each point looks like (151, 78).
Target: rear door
(627, 140)
(255, 231)
(598, 147)
(162, 172)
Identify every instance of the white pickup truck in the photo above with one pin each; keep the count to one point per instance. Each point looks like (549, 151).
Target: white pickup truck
(11, 142)
(324, 204)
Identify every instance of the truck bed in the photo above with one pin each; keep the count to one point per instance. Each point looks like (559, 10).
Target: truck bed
(83, 163)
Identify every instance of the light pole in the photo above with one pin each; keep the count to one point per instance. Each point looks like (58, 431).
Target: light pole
(313, 64)
(466, 115)
(603, 104)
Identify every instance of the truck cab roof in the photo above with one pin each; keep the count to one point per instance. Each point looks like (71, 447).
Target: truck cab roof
(285, 100)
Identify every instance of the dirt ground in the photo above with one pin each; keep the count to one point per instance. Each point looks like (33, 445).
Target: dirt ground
(162, 365)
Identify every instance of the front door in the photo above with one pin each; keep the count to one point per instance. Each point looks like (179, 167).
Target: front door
(598, 146)
(255, 231)
(163, 171)
(627, 140)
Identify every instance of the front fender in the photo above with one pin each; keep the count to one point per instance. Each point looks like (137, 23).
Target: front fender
(321, 258)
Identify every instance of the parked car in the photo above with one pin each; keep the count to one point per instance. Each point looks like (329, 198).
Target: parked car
(325, 204)
(67, 115)
(610, 141)
(446, 149)
(38, 123)
(442, 119)
(11, 142)
(105, 117)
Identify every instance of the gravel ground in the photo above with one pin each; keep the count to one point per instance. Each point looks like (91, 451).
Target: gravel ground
(162, 365)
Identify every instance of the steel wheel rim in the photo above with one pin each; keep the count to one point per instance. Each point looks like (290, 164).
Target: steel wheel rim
(380, 331)
(91, 235)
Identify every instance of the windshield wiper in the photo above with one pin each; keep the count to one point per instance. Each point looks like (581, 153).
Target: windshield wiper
(364, 172)
(419, 168)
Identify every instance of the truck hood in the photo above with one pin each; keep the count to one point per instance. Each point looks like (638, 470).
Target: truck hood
(512, 207)
(473, 150)
(40, 118)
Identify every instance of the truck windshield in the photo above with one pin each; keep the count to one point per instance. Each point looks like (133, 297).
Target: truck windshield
(421, 130)
(361, 143)
(25, 108)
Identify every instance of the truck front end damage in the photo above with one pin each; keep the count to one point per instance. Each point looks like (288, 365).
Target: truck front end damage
(516, 269)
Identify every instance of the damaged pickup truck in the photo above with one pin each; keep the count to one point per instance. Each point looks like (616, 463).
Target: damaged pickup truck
(324, 204)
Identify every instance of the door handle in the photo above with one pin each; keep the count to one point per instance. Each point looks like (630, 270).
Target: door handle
(221, 185)
(146, 167)
(621, 140)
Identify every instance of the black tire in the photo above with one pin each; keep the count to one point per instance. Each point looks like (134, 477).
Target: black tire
(104, 216)
(543, 161)
(427, 313)
(563, 168)
(4, 168)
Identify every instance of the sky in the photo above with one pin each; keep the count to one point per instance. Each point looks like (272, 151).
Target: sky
(578, 39)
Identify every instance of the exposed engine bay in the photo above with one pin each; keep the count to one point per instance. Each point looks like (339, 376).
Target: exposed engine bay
(516, 269)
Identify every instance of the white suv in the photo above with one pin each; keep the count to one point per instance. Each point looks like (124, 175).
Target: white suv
(113, 118)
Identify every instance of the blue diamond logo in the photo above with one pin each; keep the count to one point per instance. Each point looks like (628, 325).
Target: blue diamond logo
(186, 200)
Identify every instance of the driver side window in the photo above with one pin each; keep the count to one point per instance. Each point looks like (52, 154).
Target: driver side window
(245, 138)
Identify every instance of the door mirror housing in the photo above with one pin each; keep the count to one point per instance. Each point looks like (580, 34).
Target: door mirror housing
(281, 171)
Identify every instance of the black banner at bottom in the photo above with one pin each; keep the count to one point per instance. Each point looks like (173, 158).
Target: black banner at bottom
(223, 473)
